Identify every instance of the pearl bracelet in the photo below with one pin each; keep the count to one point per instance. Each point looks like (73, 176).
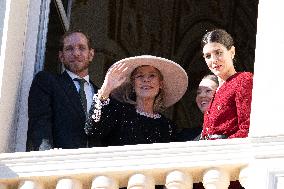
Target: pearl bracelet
(99, 103)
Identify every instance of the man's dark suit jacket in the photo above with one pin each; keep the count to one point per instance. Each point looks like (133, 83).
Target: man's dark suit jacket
(56, 115)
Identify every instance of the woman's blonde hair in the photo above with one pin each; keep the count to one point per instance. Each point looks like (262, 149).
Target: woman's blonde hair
(126, 93)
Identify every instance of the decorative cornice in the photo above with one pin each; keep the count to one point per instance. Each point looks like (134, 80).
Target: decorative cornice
(120, 162)
(167, 156)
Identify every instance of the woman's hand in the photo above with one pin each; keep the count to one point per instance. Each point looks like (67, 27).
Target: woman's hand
(113, 79)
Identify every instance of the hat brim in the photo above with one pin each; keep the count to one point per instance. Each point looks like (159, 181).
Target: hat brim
(175, 80)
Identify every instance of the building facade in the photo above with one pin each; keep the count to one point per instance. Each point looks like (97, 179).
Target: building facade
(256, 161)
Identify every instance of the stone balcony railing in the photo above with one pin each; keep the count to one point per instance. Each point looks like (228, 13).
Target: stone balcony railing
(176, 165)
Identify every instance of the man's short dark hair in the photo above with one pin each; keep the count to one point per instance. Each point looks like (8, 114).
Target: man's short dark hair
(68, 33)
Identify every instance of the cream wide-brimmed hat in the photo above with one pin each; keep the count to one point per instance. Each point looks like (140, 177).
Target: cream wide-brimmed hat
(175, 79)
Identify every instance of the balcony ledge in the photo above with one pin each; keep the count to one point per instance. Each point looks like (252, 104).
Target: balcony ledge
(120, 162)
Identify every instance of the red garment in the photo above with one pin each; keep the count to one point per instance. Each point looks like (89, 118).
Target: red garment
(229, 111)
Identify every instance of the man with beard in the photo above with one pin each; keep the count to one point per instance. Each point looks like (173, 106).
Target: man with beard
(58, 104)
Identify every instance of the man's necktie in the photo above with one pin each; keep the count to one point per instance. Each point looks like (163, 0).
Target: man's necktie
(82, 93)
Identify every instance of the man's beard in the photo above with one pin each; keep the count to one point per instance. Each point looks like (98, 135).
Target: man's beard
(75, 68)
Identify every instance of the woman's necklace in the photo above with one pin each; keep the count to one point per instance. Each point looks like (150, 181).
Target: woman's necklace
(154, 116)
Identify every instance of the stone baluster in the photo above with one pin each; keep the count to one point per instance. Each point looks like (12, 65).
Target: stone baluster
(103, 182)
(30, 184)
(179, 180)
(243, 177)
(140, 181)
(68, 183)
(216, 179)
(3, 186)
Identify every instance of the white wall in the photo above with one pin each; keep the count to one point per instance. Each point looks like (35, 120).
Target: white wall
(2, 17)
(267, 117)
(11, 64)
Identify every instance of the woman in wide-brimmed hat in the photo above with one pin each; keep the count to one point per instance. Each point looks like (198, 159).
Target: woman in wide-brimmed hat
(127, 108)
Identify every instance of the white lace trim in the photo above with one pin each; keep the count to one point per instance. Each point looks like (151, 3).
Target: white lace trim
(96, 116)
(154, 116)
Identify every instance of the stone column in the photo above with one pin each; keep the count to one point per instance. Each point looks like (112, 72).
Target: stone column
(280, 182)
(216, 179)
(267, 107)
(29, 184)
(13, 38)
(267, 118)
(3, 186)
(140, 181)
(178, 180)
(68, 183)
(103, 182)
(243, 177)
